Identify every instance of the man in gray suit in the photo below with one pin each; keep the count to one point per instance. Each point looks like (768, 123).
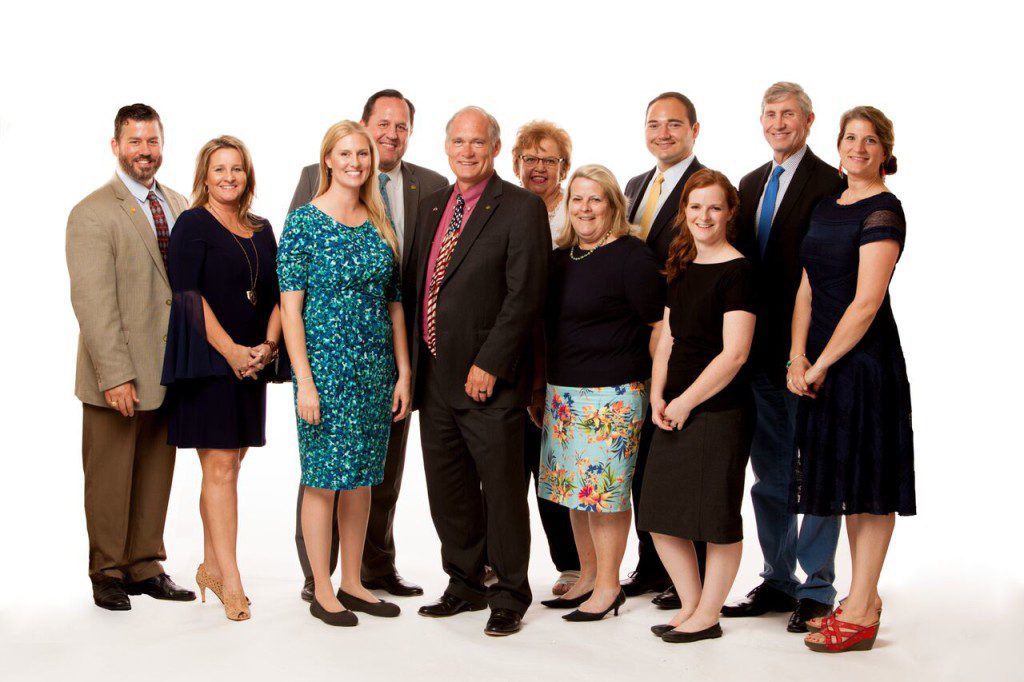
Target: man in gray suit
(388, 116)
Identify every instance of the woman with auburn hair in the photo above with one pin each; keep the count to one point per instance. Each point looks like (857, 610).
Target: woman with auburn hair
(222, 347)
(846, 362)
(345, 332)
(703, 408)
(604, 295)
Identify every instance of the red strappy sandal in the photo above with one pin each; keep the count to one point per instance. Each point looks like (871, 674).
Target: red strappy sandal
(842, 636)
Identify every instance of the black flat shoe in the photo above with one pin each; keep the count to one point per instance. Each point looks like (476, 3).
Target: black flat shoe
(307, 590)
(110, 595)
(674, 637)
(806, 610)
(383, 609)
(578, 616)
(345, 619)
(160, 587)
(659, 630)
(761, 600)
(449, 605)
(562, 603)
(503, 622)
(394, 584)
(668, 600)
(638, 583)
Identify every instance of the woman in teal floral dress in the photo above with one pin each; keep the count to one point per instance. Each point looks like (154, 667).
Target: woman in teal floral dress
(344, 327)
(604, 295)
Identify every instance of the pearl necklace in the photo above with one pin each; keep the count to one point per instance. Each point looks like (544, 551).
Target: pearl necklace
(589, 251)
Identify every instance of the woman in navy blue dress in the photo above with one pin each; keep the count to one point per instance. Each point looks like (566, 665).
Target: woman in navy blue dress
(222, 340)
(856, 452)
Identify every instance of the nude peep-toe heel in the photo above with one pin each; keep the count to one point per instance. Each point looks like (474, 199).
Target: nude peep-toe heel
(206, 580)
(236, 606)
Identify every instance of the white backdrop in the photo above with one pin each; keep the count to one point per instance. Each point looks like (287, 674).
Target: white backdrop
(277, 76)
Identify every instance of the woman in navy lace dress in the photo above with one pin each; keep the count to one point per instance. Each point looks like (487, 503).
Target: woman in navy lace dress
(856, 451)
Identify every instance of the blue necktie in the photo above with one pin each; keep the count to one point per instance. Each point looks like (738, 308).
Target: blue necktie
(764, 223)
(384, 179)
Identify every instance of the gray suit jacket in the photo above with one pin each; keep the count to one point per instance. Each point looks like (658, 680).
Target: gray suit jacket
(120, 294)
(419, 182)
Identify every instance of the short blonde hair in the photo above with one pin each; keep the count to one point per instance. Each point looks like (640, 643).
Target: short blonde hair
(201, 193)
(535, 132)
(369, 193)
(783, 90)
(620, 226)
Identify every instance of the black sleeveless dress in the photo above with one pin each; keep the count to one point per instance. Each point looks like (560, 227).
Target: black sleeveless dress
(855, 441)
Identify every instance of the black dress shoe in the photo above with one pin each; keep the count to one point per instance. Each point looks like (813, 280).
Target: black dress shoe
(503, 622)
(449, 605)
(638, 583)
(659, 630)
(674, 637)
(668, 600)
(345, 619)
(759, 601)
(160, 587)
(805, 610)
(383, 609)
(562, 603)
(308, 589)
(110, 595)
(394, 584)
(578, 616)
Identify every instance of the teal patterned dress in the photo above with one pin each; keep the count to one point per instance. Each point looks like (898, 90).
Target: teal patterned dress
(349, 276)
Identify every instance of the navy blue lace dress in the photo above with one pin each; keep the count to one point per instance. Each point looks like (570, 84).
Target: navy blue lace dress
(855, 441)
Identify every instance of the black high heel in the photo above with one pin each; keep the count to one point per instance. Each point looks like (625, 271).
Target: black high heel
(561, 603)
(578, 616)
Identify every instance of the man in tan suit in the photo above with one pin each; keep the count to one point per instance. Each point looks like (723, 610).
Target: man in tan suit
(116, 252)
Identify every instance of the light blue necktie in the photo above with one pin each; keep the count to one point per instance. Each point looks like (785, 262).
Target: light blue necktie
(384, 179)
(764, 223)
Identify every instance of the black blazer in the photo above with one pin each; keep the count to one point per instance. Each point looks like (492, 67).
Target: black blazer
(778, 273)
(662, 233)
(491, 295)
(417, 182)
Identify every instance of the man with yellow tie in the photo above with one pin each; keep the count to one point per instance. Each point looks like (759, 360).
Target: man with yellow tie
(671, 129)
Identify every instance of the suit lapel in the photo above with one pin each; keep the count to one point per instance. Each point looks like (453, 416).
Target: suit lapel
(483, 211)
(138, 220)
(671, 206)
(796, 187)
(423, 239)
(410, 204)
(634, 202)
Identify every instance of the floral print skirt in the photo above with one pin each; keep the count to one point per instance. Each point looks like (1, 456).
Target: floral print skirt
(589, 445)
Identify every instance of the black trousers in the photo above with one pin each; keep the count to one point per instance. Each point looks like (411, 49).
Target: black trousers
(649, 563)
(554, 517)
(476, 485)
(379, 550)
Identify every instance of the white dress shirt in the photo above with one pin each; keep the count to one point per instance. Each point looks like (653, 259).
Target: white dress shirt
(397, 202)
(141, 194)
(673, 174)
(556, 221)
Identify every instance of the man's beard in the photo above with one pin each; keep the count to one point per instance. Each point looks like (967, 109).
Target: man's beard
(127, 165)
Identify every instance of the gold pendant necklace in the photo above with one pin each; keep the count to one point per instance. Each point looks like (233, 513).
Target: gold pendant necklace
(250, 293)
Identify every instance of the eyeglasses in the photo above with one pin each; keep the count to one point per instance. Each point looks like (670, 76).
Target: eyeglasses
(548, 161)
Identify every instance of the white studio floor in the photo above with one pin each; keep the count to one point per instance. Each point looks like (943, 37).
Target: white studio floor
(50, 630)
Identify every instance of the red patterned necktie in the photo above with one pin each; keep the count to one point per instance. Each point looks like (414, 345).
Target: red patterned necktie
(451, 237)
(163, 235)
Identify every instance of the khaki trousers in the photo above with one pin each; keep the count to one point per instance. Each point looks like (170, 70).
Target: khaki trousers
(128, 469)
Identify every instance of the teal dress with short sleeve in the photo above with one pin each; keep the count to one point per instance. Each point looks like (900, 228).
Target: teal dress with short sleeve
(349, 276)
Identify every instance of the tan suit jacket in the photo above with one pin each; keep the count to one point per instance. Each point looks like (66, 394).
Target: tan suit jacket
(120, 294)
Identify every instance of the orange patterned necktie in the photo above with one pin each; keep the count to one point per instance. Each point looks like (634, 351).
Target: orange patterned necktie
(451, 237)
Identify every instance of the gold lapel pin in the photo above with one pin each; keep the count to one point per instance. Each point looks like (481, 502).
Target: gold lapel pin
(487, 207)
(412, 186)
(133, 209)
(435, 209)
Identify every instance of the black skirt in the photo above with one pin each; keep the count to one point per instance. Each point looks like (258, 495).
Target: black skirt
(217, 413)
(693, 482)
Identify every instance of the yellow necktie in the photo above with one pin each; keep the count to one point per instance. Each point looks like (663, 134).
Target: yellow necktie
(652, 203)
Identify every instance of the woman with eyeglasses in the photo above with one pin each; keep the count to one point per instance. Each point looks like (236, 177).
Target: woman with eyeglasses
(541, 158)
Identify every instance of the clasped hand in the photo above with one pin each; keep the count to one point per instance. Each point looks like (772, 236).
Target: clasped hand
(804, 379)
(247, 362)
(671, 416)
